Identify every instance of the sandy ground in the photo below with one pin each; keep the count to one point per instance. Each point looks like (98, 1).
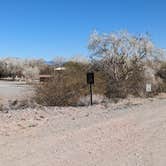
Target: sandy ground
(130, 133)
(12, 90)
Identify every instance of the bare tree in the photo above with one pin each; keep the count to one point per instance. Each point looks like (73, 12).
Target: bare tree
(116, 53)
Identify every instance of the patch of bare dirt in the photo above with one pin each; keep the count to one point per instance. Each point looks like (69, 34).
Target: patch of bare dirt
(129, 133)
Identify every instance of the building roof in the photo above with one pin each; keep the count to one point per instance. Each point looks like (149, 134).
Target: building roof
(45, 76)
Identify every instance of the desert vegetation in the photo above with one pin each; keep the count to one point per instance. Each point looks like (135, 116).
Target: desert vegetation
(123, 64)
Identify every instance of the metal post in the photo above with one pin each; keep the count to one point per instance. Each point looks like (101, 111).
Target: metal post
(90, 81)
(91, 94)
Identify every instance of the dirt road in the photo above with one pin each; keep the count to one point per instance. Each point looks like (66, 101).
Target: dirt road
(131, 134)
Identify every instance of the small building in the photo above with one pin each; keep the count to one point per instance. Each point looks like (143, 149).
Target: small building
(45, 78)
(59, 69)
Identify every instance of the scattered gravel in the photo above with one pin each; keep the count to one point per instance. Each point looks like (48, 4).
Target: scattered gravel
(129, 133)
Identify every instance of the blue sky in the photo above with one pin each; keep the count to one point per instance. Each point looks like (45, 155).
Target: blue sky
(50, 28)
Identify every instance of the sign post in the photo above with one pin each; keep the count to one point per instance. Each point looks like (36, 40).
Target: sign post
(90, 81)
(148, 88)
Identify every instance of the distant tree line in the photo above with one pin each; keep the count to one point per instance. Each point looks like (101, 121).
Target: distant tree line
(16, 67)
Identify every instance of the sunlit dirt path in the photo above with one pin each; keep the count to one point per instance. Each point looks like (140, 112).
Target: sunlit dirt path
(98, 136)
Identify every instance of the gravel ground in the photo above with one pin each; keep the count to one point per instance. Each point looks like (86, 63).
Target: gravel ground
(130, 133)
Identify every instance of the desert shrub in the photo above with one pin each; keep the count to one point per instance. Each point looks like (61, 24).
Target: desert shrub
(162, 87)
(57, 92)
(127, 78)
(1, 107)
(68, 86)
(79, 71)
(64, 89)
(161, 73)
(136, 80)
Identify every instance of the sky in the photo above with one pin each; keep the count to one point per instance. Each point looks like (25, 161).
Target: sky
(50, 28)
